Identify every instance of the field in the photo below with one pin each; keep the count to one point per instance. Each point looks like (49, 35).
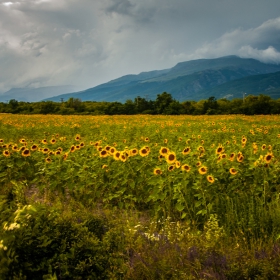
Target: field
(139, 197)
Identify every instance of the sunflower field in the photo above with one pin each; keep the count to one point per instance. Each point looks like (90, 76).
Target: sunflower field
(139, 197)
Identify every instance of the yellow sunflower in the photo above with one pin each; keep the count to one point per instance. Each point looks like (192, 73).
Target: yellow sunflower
(117, 155)
(202, 170)
(52, 141)
(34, 147)
(6, 153)
(25, 153)
(170, 158)
(210, 179)
(133, 152)
(157, 171)
(233, 171)
(220, 150)
(48, 160)
(171, 167)
(268, 157)
(163, 151)
(185, 167)
(143, 152)
(103, 153)
(186, 151)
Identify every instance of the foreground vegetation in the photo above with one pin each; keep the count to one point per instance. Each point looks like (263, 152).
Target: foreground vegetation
(139, 197)
(164, 104)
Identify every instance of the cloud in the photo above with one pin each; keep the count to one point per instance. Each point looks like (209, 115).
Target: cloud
(85, 42)
(262, 43)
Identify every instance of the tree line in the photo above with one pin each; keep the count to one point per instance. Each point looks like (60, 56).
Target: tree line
(163, 104)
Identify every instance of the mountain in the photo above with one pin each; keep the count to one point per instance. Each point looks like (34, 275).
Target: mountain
(268, 84)
(35, 94)
(185, 81)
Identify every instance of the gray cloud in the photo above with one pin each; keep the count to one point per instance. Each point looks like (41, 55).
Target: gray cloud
(85, 42)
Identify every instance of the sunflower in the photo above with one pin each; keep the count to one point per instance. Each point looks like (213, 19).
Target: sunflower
(210, 179)
(78, 137)
(44, 141)
(143, 152)
(171, 167)
(15, 148)
(269, 147)
(185, 167)
(163, 151)
(202, 170)
(133, 152)
(233, 171)
(1, 141)
(117, 155)
(99, 148)
(180, 139)
(232, 156)
(220, 150)
(103, 153)
(73, 148)
(123, 156)
(165, 141)
(48, 160)
(25, 153)
(59, 149)
(243, 140)
(50, 153)
(178, 164)
(240, 158)
(34, 147)
(77, 147)
(157, 171)
(107, 148)
(186, 151)
(263, 146)
(65, 156)
(22, 148)
(6, 153)
(82, 144)
(170, 158)
(198, 164)
(146, 139)
(52, 141)
(104, 166)
(22, 141)
(268, 157)
(57, 153)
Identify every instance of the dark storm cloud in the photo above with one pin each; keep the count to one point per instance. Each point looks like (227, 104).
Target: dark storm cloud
(85, 42)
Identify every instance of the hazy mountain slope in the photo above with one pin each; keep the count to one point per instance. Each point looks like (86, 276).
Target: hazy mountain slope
(184, 81)
(268, 84)
(35, 94)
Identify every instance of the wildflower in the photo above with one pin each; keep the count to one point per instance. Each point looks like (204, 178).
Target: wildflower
(171, 158)
(164, 151)
(25, 153)
(6, 153)
(48, 160)
(185, 167)
(103, 153)
(202, 170)
(157, 171)
(268, 157)
(53, 141)
(133, 152)
(233, 171)
(117, 155)
(171, 167)
(143, 152)
(210, 179)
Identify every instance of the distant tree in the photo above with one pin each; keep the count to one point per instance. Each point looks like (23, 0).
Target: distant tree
(162, 102)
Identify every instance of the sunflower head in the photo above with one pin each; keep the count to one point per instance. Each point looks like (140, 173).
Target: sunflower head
(25, 153)
(103, 153)
(6, 153)
(185, 167)
(210, 179)
(34, 147)
(268, 157)
(163, 151)
(157, 171)
(202, 170)
(53, 141)
(48, 160)
(170, 158)
(117, 155)
(171, 167)
(143, 152)
(133, 152)
(233, 171)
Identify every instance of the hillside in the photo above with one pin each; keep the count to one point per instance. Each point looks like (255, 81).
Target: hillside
(190, 80)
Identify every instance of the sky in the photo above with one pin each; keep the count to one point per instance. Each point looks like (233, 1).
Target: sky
(89, 42)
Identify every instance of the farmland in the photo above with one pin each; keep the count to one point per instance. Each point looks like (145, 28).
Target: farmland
(139, 197)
